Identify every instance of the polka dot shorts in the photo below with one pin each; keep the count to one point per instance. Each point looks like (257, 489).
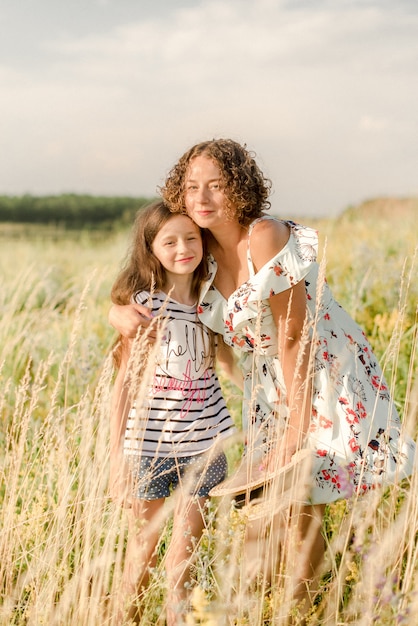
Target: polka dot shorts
(156, 478)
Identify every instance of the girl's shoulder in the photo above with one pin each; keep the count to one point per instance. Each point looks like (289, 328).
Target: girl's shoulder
(153, 300)
(142, 297)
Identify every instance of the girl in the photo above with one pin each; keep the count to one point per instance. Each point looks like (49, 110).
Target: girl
(168, 410)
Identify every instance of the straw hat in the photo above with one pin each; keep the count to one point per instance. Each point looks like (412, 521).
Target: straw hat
(264, 492)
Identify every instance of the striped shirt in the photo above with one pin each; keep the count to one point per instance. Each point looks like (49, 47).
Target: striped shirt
(184, 412)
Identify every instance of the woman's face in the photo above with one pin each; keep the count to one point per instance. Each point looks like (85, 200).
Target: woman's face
(204, 196)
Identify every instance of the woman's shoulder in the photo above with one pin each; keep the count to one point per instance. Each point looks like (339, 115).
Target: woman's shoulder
(269, 226)
(267, 237)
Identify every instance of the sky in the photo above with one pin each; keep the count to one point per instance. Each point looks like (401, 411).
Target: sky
(103, 96)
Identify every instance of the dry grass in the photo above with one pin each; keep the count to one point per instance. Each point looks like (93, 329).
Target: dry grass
(62, 540)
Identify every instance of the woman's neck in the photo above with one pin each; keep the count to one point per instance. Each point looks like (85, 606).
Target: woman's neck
(229, 250)
(227, 238)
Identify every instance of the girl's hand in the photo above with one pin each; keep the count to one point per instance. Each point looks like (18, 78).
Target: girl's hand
(128, 318)
(120, 482)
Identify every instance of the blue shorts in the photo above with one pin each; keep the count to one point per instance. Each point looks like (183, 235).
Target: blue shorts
(156, 478)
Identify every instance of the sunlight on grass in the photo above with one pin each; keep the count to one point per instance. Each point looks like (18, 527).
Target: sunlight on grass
(62, 539)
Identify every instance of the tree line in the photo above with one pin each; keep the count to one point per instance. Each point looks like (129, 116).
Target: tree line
(71, 210)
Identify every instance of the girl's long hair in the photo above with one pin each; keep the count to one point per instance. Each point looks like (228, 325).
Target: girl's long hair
(142, 270)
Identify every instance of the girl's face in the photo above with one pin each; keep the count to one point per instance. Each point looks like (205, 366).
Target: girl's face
(204, 196)
(178, 245)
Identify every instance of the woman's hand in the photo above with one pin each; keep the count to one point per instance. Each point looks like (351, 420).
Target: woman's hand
(291, 443)
(277, 459)
(128, 318)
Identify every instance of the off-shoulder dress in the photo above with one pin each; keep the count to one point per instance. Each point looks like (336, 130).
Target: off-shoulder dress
(355, 431)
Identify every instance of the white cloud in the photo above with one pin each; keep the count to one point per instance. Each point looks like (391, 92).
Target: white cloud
(302, 86)
(371, 124)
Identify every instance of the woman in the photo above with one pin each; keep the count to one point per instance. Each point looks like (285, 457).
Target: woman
(310, 376)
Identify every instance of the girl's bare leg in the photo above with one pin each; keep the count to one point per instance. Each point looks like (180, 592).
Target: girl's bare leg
(188, 524)
(144, 527)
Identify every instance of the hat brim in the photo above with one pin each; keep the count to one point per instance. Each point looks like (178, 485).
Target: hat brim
(250, 476)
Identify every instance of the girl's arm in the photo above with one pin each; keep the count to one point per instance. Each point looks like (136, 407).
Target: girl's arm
(127, 318)
(226, 360)
(120, 405)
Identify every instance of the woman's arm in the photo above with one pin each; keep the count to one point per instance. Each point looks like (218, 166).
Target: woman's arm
(289, 311)
(226, 360)
(128, 318)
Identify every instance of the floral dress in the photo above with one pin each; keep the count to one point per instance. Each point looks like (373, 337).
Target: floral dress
(355, 431)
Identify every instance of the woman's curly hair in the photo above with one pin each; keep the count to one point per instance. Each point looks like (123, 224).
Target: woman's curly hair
(245, 187)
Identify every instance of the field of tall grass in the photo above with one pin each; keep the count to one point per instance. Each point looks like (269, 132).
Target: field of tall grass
(62, 539)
